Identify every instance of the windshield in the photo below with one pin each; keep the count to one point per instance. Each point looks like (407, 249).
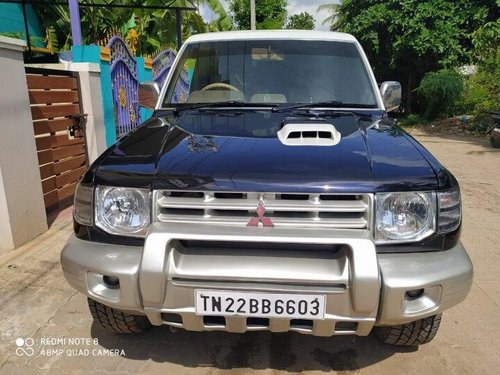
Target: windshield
(271, 72)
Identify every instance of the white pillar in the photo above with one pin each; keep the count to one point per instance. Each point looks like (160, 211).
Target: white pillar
(22, 210)
(90, 90)
(252, 15)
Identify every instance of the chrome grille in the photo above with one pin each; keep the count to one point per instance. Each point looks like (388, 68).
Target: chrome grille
(350, 211)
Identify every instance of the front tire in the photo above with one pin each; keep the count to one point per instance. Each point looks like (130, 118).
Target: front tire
(410, 334)
(494, 142)
(117, 321)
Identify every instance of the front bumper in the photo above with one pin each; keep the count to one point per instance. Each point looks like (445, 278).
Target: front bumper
(362, 288)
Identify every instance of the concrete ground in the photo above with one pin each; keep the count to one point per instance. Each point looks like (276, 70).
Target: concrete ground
(38, 306)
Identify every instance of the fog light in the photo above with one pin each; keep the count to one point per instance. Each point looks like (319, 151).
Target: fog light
(111, 281)
(418, 301)
(415, 293)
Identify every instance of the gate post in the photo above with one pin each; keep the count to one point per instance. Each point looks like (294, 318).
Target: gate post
(90, 90)
(144, 74)
(22, 211)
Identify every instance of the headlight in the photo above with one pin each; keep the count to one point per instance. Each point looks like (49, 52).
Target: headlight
(404, 217)
(123, 211)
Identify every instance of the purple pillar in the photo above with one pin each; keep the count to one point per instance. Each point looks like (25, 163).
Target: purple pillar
(76, 30)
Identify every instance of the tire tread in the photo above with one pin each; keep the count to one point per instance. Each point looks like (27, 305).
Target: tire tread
(411, 334)
(117, 321)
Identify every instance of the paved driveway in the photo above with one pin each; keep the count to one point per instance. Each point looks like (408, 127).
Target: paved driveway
(38, 306)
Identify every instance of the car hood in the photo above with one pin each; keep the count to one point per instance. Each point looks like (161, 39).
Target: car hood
(372, 156)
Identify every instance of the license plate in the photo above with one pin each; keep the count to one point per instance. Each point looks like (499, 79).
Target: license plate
(298, 306)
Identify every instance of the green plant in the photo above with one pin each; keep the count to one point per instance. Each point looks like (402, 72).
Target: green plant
(224, 22)
(440, 90)
(34, 40)
(269, 14)
(301, 21)
(156, 28)
(404, 39)
(411, 120)
(482, 89)
(486, 39)
(333, 10)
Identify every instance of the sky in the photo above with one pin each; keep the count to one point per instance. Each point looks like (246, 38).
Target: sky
(294, 7)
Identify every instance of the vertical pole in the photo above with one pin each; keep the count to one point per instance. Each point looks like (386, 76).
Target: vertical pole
(252, 15)
(76, 29)
(178, 27)
(26, 29)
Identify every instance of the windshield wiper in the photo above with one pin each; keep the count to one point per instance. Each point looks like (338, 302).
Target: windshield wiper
(195, 106)
(330, 103)
(337, 113)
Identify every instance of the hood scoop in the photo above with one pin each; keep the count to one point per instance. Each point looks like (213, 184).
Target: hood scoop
(312, 133)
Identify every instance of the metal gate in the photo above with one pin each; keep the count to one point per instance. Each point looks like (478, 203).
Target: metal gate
(162, 65)
(58, 125)
(125, 86)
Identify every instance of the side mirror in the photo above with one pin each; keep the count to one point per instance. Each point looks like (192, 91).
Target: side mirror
(391, 95)
(148, 94)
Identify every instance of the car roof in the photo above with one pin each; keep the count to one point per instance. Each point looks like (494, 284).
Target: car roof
(272, 34)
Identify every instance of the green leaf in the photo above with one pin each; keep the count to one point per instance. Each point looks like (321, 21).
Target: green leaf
(154, 42)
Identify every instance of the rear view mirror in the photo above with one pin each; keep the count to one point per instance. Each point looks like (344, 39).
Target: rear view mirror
(267, 54)
(148, 94)
(391, 95)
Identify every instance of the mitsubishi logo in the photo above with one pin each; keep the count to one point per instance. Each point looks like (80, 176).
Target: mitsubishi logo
(260, 220)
